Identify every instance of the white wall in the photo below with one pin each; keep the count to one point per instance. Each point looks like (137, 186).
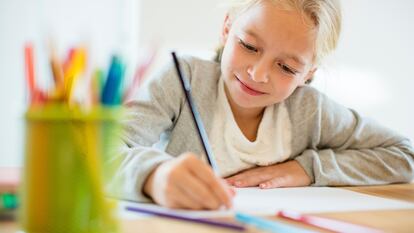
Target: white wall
(183, 25)
(372, 70)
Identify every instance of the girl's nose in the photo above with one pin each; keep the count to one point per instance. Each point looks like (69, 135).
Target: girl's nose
(258, 72)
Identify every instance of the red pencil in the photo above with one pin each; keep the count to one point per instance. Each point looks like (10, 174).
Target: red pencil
(326, 223)
(30, 73)
(36, 95)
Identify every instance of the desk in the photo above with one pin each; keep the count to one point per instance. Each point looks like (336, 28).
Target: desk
(387, 220)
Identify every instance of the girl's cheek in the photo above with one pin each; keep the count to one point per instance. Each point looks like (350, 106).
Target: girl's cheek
(237, 58)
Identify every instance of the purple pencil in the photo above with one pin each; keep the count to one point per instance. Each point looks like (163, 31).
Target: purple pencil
(182, 217)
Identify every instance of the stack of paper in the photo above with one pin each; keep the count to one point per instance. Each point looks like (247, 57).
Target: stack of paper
(304, 199)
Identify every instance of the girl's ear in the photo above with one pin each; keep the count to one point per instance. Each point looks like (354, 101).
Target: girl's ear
(226, 29)
(309, 76)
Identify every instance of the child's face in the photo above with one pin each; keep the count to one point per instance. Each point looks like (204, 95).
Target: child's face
(268, 52)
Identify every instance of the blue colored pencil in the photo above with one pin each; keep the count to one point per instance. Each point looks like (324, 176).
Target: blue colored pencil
(111, 89)
(268, 225)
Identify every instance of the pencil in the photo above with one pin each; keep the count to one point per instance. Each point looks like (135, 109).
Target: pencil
(139, 75)
(183, 217)
(268, 225)
(196, 116)
(326, 223)
(30, 74)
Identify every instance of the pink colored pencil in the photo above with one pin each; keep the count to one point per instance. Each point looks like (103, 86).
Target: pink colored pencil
(139, 75)
(326, 223)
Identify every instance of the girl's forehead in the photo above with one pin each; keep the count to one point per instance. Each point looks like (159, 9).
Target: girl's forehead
(278, 31)
(269, 22)
(273, 14)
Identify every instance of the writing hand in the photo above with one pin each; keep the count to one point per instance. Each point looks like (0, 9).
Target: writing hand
(187, 182)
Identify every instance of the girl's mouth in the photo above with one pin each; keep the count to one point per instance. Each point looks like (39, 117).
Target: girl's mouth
(248, 89)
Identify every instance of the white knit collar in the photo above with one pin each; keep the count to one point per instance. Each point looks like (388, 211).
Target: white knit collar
(273, 139)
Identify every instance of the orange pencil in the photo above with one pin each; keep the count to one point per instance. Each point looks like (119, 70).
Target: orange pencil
(57, 72)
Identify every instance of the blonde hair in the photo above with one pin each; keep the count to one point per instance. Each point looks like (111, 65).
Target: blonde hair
(325, 15)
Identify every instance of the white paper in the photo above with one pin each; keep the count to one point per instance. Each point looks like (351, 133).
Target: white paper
(303, 199)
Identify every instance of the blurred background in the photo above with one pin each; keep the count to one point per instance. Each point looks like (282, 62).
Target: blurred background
(372, 70)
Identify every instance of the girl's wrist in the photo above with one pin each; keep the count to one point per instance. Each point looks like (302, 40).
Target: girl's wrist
(148, 184)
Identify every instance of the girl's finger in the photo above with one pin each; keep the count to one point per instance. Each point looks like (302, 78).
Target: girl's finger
(181, 201)
(237, 179)
(232, 191)
(232, 179)
(277, 182)
(195, 190)
(210, 180)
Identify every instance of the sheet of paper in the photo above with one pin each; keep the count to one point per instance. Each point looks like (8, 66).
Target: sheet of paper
(304, 199)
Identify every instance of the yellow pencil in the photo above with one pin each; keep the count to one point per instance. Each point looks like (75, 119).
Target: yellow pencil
(74, 70)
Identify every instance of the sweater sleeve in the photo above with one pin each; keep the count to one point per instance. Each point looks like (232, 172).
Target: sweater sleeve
(343, 148)
(150, 116)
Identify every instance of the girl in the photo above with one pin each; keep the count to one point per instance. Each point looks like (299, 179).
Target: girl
(267, 127)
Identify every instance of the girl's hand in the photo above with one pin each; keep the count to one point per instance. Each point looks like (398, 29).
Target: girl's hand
(187, 182)
(287, 174)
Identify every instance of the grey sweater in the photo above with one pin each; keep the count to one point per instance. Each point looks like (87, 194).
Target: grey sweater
(334, 145)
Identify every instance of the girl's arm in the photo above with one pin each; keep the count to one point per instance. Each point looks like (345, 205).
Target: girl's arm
(179, 180)
(339, 147)
(149, 116)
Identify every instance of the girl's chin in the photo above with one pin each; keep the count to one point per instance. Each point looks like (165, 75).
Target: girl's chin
(247, 102)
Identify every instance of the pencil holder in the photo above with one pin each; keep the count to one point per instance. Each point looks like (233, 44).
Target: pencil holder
(66, 163)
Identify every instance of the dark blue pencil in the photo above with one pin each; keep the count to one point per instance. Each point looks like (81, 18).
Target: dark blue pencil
(183, 217)
(196, 116)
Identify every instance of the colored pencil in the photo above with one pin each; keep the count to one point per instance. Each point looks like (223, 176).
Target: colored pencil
(326, 223)
(268, 225)
(196, 116)
(187, 218)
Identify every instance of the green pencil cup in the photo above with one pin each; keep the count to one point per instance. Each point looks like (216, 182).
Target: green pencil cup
(66, 166)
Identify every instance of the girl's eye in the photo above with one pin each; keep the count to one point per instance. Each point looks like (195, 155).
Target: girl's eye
(287, 69)
(248, 46)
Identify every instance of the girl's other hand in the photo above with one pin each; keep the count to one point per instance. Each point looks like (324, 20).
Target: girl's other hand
(188, 183)
(287, 174)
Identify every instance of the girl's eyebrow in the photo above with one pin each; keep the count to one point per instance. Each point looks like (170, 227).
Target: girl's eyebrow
(294, 57)
(253, 34)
